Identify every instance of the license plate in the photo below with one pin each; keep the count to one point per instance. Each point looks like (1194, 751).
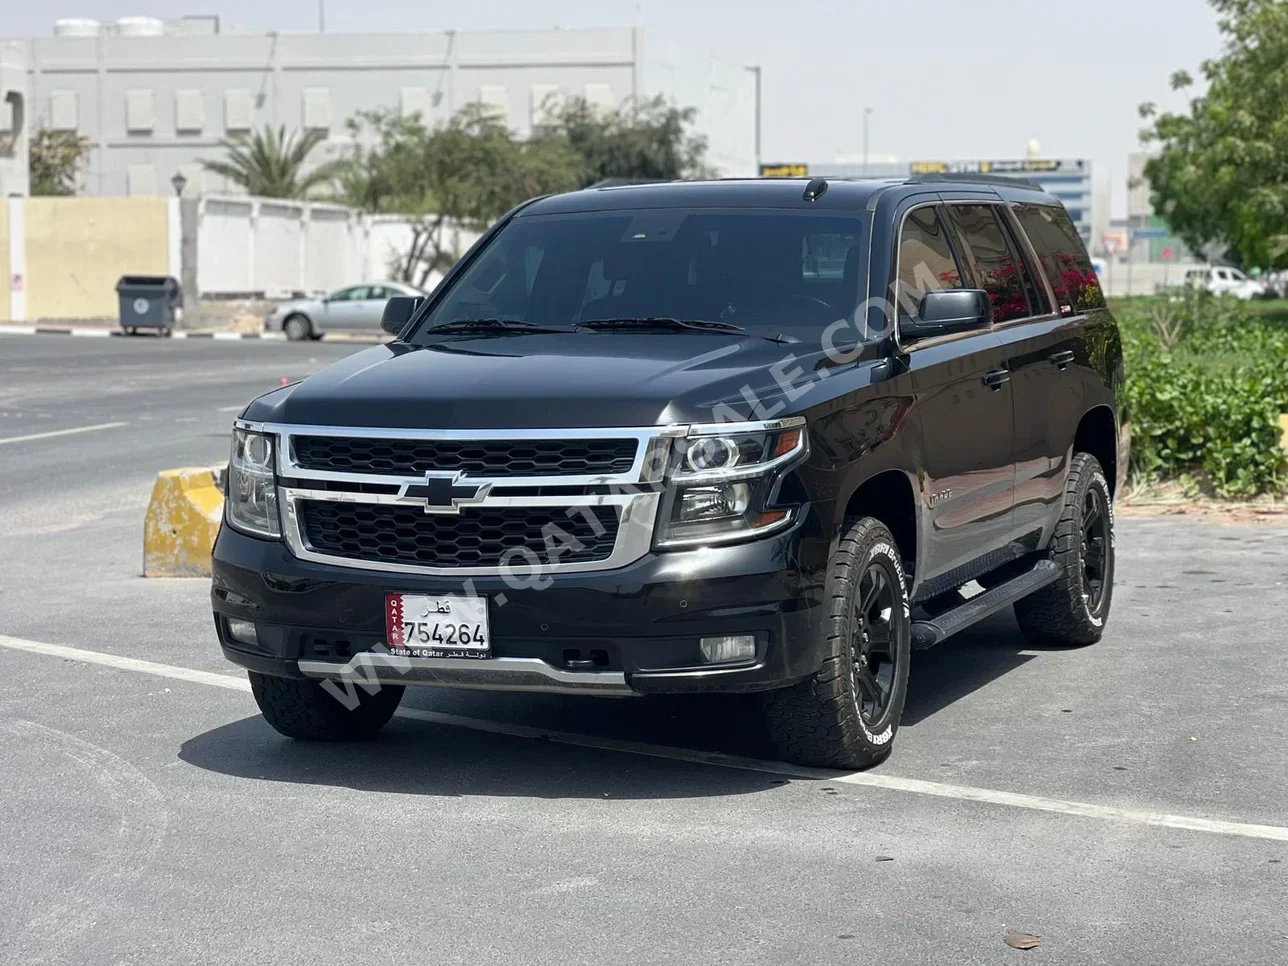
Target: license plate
(446, 626)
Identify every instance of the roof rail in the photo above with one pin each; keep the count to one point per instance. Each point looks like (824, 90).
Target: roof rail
(624, 182)
(974, 178)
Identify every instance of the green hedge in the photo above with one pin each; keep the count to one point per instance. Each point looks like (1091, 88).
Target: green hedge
(1207, 379)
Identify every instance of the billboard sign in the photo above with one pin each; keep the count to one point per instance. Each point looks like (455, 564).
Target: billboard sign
(789, 169)
(1005, 166)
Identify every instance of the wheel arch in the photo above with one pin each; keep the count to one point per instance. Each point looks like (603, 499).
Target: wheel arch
(889, 496)
(1097, 435)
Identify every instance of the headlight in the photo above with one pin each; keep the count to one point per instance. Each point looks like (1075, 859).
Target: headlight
(252, 492)
(722, 480)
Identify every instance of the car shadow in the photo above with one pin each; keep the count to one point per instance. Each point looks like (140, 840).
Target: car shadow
(418, 757)
(413, 757)
(963, 664)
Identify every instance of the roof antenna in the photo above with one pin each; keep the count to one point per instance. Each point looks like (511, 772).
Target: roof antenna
(814, 190)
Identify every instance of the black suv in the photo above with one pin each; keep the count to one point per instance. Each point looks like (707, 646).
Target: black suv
(742, 436)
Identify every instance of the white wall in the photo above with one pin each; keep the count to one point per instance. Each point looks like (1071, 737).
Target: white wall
(253, 246)
(275, 247)
(1143, 278)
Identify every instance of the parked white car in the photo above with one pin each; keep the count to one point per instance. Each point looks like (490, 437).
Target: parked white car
(353, 307)
(1221, 280)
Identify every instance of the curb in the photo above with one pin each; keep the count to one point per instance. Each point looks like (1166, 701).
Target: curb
(105, 333)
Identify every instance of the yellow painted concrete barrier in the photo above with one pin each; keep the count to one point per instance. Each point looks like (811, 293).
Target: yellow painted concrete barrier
(1283, 427)
(181, 523)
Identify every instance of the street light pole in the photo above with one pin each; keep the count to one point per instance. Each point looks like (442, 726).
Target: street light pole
(321, 16)
(867, 113)
(755, 69)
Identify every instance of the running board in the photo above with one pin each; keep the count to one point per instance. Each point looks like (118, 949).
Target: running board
(930, 632)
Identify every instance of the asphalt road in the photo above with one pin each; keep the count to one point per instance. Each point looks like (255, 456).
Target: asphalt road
(1127, 802)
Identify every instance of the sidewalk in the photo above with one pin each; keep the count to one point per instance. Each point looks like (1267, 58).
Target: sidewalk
(112, 330)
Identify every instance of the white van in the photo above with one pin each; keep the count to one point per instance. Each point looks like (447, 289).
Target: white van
(1222, 280)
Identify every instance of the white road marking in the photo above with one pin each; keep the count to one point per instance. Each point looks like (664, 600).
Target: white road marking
(232, 409)
(869, 779)
(60, 432)
(127, 663)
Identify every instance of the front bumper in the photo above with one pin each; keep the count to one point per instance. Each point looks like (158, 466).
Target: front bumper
(628, 631)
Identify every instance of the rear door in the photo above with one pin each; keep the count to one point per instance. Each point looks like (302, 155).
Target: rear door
(964, 405)
(1050, 355)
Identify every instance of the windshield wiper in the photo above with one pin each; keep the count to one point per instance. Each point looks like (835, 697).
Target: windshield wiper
(493, 325)
(661, 322)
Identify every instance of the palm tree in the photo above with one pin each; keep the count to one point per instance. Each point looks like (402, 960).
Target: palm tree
(270, 163)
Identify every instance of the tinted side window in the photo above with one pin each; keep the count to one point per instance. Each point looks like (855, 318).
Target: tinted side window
(926, 261)
(1064, 258)
(990, 259)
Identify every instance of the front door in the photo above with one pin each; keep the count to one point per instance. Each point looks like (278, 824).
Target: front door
(344, 309)
(968, 487)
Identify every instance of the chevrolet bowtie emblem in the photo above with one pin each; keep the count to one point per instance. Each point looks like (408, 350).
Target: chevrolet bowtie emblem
(444, 491)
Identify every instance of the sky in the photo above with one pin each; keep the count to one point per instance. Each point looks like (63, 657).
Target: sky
(945, 79)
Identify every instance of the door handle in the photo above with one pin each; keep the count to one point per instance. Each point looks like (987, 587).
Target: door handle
(1061, 360)
(995, 379)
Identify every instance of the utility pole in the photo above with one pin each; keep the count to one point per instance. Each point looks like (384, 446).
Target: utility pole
(321, 16)
(867, 113)
(755, 69)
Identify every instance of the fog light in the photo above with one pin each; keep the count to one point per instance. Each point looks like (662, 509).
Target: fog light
(728, 649)
(243, 632)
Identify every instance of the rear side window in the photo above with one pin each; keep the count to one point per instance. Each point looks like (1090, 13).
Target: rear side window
(1064, 259)
(990, 258)
(926, 261)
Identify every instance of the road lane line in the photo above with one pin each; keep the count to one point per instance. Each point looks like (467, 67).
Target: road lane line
(232, 409)
(60, 432)
(867, 779)
(126, 663)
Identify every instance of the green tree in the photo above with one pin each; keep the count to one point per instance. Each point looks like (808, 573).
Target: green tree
(271, 163)
(1219, 177)
(651, 138)
(55, 159)
(464, 173)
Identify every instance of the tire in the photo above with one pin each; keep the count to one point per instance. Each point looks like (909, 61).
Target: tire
(298, 328)
(821, 721)
(1072, 611)
(303, 709)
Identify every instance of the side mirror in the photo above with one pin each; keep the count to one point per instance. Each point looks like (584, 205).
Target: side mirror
(954, 310)
(398, 312)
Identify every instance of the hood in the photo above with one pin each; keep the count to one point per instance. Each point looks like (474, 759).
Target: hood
(545, 381)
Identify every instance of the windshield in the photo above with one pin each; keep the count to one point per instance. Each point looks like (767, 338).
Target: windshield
(755, 268)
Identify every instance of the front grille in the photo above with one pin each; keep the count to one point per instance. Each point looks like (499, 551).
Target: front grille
(493, 457)
(478, 537)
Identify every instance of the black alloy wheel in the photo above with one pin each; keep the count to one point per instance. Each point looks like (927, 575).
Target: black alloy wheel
(1095, 545)
(873, 647)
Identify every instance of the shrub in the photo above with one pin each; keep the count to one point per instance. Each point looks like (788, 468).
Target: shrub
(1206, 381)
